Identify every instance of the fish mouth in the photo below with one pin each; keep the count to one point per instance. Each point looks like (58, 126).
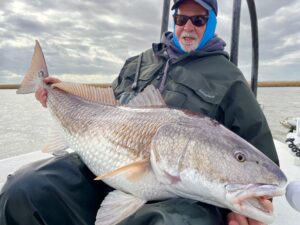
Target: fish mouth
(253, 200)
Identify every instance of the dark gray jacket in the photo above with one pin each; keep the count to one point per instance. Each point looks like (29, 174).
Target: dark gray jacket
(206, 83)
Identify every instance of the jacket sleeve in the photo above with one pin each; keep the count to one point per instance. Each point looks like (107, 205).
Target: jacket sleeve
(243, 115)
(121, 84)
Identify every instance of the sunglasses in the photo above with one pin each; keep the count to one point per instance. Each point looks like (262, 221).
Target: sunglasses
(197, 21)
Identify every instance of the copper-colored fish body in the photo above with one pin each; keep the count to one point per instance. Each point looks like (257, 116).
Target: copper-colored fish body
(147, 151)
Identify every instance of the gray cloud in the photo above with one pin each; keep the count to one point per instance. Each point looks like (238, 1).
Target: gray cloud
(89, 40)
(28, 25)
(279, 32)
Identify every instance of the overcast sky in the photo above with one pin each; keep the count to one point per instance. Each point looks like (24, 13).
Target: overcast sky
(88, 41)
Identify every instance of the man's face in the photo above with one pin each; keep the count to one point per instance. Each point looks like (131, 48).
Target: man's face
(189, 35)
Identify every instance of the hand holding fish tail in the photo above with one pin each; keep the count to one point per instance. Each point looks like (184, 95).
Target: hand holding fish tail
(41, 93)
(234, 218)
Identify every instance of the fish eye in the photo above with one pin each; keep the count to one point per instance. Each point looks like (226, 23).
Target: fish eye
(240, 156)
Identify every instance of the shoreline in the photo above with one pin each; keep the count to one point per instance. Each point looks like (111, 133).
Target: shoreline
(260, 84)
(279, 84)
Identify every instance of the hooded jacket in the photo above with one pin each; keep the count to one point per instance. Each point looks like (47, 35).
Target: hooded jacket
(204, 82)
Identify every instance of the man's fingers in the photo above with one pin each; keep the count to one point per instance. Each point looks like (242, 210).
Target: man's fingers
(233, 222)
(41, 95)
(255, 222)
(44, 100)
(51, 80)
(37, 93)
(236, 219)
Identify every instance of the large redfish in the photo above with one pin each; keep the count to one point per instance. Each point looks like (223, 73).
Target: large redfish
(147, 151)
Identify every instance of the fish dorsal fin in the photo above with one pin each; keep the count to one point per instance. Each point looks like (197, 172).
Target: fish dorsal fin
(38, 70)
(116, 207)
(88, 92)
(135, 171)
(150, 97)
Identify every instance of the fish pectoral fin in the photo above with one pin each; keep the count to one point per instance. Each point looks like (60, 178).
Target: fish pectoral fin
(56, 141)
(103, 95)
(135, 171)
(117, 206)
(150, 97)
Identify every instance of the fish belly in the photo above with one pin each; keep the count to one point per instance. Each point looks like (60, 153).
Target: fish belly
(102, 157)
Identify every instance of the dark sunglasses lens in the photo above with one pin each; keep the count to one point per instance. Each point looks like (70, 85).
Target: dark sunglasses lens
(198, 20)
(181, 20)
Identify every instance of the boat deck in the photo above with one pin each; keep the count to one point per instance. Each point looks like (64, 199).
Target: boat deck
(284, 213)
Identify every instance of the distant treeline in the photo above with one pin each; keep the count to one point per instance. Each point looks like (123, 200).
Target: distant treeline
(260, 84)
(279, 84)
(9, 86)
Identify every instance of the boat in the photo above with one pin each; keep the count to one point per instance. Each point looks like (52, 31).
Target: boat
(293, 136)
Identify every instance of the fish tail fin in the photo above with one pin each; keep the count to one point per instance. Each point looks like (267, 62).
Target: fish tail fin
(37, 72)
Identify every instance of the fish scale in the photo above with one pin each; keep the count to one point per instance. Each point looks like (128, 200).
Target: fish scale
(121, 135)
(110, 147)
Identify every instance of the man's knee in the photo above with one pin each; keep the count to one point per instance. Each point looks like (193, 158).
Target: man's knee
(34, 181)
(62, 183)
(19, 196)
(22, 186)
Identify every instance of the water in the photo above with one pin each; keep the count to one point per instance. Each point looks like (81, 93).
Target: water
(279, 103)
(24, 123)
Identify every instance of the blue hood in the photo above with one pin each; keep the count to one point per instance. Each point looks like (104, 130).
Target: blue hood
(168, 49)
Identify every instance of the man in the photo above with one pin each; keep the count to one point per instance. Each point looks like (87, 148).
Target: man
(192, 71)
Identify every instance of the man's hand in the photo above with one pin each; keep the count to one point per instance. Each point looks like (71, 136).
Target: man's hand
(41, 94)
(237, 219)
